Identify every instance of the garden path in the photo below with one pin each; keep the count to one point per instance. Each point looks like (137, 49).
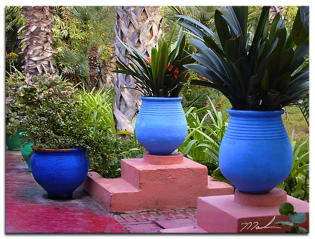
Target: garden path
(28, 210)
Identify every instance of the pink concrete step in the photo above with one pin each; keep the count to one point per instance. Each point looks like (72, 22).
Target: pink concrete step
(244, 213)
(146, 184)
(188, 229)
(218, 187)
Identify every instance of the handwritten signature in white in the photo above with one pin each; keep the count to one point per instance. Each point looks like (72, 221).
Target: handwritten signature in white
(255, 225)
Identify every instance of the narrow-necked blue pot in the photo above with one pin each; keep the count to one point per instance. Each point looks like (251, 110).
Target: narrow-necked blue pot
(60, 172)
(255, 152)
(161, 125)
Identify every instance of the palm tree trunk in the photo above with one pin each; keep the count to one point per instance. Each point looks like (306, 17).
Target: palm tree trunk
(37, 35)
(274, 10)
(139, 27)
(93, 64)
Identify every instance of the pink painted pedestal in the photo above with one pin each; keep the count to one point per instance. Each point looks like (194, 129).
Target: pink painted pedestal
(154, 182)
(243, 213)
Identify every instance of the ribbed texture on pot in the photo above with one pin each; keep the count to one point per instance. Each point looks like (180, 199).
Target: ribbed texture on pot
(255, 125)
(155, 106)
(161, 125)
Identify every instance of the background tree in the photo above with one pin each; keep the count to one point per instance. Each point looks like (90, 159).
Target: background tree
(99, 21)
(13, 21)
(139, 27)
(37, 37)
(76, 31)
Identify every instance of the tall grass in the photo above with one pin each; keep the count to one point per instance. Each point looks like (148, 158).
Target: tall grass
(206, 127)
(297, 183)
(98, 105)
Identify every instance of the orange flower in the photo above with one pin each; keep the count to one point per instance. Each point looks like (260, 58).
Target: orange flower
(176, 73)
(169, 68)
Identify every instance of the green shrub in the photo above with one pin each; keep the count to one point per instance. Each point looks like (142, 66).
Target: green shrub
(50, 113)
(105, 149)
(13, 82)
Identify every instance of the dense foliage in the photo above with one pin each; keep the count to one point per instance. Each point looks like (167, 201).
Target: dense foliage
(50, 113)
(105, 149)
(13, 82)
(263, 73)
(76, 30)
(13, 21)
(204, 135)
(163, 74)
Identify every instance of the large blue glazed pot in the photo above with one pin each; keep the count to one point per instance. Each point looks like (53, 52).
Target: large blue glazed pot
(255, 152)
(60, 172)
(161, 125)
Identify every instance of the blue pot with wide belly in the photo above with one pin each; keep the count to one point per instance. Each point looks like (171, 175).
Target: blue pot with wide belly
(161, 125)
(60, 172)
(255, 152)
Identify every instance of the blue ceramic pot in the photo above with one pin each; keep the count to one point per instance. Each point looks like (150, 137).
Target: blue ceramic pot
(255, 152)
(60, 172)
(161, 125)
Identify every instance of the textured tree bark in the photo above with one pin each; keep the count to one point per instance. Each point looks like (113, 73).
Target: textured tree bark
(274, 10)
(37, 35)
(139, 27)
(93, 59)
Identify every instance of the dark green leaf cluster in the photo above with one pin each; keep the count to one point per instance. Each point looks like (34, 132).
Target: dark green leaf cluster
(287, 209)
(13, 82)
(162, 75)
(262, 73)
(50, 113)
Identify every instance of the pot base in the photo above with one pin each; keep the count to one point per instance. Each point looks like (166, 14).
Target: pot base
(60, 197)
(243, 213)
(174, 158)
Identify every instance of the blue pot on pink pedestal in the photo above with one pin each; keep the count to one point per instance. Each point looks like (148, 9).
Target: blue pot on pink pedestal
(161, 125)
(255, 153)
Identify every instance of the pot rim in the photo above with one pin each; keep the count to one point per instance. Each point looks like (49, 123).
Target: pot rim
(151, 98)
(254, 113)
(56, 150)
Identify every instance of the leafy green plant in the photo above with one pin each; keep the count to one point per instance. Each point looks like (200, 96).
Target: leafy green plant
(287, 209)
(97, 104)
(204, 135)
(105, 150)
(13, 82)
(163, 74)
(50, 113)
(265, 72)
(296, 184)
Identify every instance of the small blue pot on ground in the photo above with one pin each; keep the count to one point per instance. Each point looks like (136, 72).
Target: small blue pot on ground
(59, 172)
(161, 125)
(255, 153)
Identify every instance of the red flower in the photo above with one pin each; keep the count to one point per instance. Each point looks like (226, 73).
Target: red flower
(169, 68)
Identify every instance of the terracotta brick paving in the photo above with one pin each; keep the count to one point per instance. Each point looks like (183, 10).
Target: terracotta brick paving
(28, 210)
(155, 220)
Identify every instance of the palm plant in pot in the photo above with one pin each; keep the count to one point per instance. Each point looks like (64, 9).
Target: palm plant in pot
(161, 125)
(259, 73)
(53, 122)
